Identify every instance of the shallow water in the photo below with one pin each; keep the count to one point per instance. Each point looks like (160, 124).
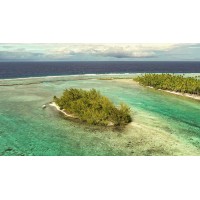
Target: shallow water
(163, 124)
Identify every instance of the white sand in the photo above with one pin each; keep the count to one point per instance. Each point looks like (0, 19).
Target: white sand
(62, 111)
(193, 96)
(68, 115)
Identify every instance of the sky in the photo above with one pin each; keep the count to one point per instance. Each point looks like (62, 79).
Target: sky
(99, 52)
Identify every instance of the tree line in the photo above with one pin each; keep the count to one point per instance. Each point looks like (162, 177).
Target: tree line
(93, 108)
(177, 83)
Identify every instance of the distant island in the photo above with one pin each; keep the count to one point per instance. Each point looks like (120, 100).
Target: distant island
(91, 107)
(170, 82)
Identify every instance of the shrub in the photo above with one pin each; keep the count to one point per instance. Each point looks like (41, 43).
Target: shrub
(177, 83)
(93, 108)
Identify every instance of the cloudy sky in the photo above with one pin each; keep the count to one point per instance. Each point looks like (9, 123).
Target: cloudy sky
(99, 52)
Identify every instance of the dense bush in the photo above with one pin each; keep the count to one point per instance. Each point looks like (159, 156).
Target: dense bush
(177, 83)
(93, 108)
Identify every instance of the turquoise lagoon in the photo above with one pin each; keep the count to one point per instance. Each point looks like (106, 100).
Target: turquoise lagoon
(163, 124)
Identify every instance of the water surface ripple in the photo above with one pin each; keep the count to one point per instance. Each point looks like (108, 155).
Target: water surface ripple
(163, 124)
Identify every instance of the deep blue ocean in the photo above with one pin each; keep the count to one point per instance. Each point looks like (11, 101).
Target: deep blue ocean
(37, 69)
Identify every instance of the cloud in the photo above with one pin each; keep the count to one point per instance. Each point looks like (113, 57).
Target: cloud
(112, 50)
(67, 51)
(6, 55)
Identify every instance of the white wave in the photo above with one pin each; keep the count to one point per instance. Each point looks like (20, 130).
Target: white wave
(72, 75)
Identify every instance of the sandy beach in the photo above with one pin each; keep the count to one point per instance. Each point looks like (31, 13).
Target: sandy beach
(192, 96)
(62, 111)
(53, 104)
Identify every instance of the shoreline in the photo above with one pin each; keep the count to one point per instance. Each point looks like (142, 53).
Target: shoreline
(53, 104)
(192, 96)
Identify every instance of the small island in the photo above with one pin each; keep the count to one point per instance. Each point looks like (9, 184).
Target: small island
(176, 84)
(91, 107)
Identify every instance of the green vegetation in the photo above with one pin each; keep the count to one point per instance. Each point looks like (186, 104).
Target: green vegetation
(93, 108)
(177, 83)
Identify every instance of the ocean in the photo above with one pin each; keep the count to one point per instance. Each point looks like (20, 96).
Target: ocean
(39, 69)
(163, 123)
